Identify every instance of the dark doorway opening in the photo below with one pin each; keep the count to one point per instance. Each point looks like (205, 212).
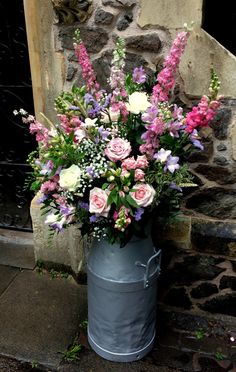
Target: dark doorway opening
(15, 141)
(219, 20)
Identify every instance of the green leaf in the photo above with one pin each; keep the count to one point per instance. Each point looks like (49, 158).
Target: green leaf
(131, 201)
(105, 186)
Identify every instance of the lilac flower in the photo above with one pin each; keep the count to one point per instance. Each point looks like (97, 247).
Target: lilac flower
(174, 128)
(83, 205)
(41, 199)
(194, 138)
(74, 108)
(103, 132)
(173, 186)
(172, 164)
(139, 75)
(162, 155)
(150, 114)
(46, 168)
(93, 218)
(138, 214)
(66, 210)
(90, 171)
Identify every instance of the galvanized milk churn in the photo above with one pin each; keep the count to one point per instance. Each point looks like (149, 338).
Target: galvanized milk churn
(122, 286)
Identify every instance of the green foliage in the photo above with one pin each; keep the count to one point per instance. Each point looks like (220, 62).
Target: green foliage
(200, 333)
(73, 353)
(219, 356)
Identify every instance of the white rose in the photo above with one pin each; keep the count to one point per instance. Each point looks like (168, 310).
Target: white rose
(70, 178)
(138, 102)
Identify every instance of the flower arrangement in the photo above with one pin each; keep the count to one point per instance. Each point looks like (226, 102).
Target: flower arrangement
(115, 156)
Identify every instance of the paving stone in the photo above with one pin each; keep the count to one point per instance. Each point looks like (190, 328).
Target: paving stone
(16, 249)
(40, 317)
(7, 274)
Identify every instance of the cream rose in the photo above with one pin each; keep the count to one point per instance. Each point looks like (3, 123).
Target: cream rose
(69, 178)
(118, 149)
(138, 102)
(98, 202)
(143, 194)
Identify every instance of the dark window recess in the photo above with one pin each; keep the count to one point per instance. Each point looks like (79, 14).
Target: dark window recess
(15, 140)
(219, 20)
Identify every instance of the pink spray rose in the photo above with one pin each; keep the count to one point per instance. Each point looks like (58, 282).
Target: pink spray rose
(129, 163)
(139, 175)
(143, 194)
(141, 162)
(118, 149)
(98, 202)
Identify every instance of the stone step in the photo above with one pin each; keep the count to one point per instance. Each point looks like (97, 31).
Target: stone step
(16, 249)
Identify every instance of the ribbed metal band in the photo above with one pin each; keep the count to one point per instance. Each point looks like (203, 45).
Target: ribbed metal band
(121, 357)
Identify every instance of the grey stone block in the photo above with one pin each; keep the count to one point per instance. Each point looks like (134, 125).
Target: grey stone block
(39, 317)
(7, 274)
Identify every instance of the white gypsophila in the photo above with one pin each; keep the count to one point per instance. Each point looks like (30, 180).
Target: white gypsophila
(70, 178)
(138, 102)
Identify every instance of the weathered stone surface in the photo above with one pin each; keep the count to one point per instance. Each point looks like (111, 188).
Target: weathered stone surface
(70, 73)
(119, 3)
(221, 147)
(103, 17)
(202, 155)
(40, 317)
(94, 38)
(7, 274)
(234, 265)
(221, 160)
(228, 282)
(204, 290)
(124, 21)
(177, 232)
(17, 249)
(178, 297)
(221, 175)
(71, 11)
(193, 268)
(222, 304)
(214, 202)
(221, 123)
(214, 237)
(144, 43)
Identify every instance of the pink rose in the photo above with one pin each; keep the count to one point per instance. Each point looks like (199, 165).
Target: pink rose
(141, 162)
(118, 149)
(143, 194)
(129, 163)
(139, 175)
(98, 202)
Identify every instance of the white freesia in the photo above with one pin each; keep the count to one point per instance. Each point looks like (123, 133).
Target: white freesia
(113, 116)
(51, 218)
(80, 134)
(138, 102)
(90, 122)
(70, 178)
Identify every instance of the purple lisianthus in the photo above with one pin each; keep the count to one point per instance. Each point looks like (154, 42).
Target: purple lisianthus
(139, 75)
(194, 138)
(138, 214)
(58, 225)
(174, 128)
(172, 164)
